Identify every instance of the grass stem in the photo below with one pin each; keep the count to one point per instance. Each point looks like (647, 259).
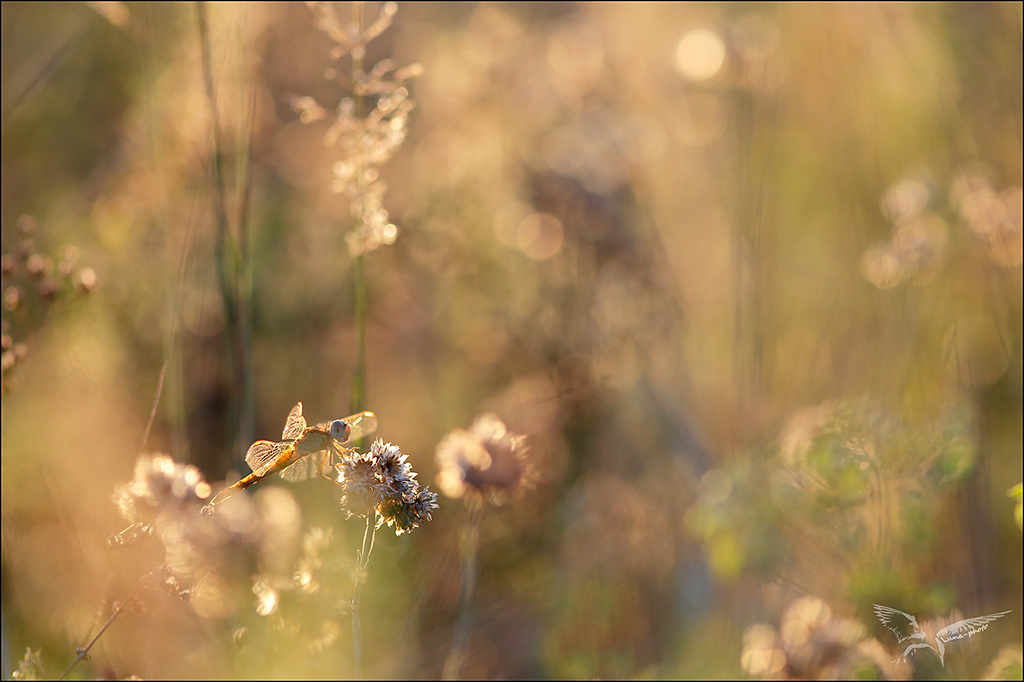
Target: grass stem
(83, 652)
(369, 535)
(470, 543)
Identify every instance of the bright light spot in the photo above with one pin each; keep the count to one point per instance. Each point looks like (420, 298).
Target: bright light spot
(203, 490)
(908, 197)
(540, 236)
(881, 266)
(267, 598)
(920, 241)
(715, 487)
(761, 656)
(451, 482)
(700, 55)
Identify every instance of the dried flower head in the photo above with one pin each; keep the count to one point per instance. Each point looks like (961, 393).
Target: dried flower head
(366, 141)
(382, 482)
(163, 501)
(30, 667)
(160, 484)
(486, 461)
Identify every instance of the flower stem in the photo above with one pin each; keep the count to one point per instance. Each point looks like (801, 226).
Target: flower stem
(469, 545)
(369, 535)
(358, 398)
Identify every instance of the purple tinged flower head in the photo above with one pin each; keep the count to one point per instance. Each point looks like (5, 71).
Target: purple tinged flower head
(382, 482)
(487, 461)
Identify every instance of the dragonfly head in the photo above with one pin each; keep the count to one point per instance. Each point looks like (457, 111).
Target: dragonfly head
(340, 430)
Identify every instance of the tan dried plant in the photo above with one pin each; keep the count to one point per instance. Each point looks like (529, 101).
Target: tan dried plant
(368, 126)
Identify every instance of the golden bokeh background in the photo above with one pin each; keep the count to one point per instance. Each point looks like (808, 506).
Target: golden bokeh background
(747, 277)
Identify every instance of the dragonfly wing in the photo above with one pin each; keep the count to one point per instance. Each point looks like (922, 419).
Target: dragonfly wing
(318, 461)
(358, 426)
(307, 467)
(295, 424)
(263, 455)
(299, 471)
(363, 424)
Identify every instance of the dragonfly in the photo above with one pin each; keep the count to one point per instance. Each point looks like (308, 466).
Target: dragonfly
(303, 451)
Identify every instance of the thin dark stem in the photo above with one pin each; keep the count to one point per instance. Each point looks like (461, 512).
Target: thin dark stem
(31, 78)
(469, 545)
(84, 651)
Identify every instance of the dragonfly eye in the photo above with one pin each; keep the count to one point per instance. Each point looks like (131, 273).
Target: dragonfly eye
(340, 430)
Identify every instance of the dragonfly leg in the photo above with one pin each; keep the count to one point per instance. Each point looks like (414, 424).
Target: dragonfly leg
(325, 465)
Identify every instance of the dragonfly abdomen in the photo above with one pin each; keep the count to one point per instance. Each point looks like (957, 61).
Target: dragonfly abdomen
(240, 485)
